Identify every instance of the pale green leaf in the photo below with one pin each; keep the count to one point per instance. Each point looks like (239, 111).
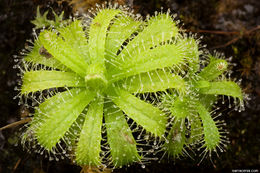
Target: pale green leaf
(144, 114)
(153, 81)
(196, 130)
(215, 68)
(76, 38)
(39, 80)
(176, 138)
(62, 51)
(89, 144)
(228, 88)
(207, 100)
(210, 130)
(42, 112)
(98, 33)
(118, 33)
(159, 29)
(192, 53)
(38, 56)
(182, 107)
(60, 117)
(120, 139)
(152, 59)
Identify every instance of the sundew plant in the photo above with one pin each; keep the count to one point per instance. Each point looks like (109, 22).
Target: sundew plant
(194, 117)
(110, 88)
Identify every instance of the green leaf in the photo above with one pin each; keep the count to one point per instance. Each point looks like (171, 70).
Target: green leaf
(182, 108)
(60, 116)
(159, 29)
(62, 51)
(228, 88)
(202, 84)
(71, 138)
(153, 81)
(150, 118)
(89, 145)
(115, 36)
(120, 139)
(176, 138)
(98, 33)
(152, 59)
(42, 112)
(75, 37)
(196, 130)
(210, 130)
(192, 53)
(207, 100)
(38, 55)
(215, 68)
(39, 80)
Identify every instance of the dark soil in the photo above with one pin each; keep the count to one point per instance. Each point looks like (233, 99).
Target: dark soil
(235, 20)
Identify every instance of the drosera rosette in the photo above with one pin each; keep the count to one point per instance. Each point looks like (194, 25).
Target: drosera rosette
(195, 120)
(85, 79)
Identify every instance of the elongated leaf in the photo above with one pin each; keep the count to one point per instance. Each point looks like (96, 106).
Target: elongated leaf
(176, 139)
(192, 54)
(71, 138)
(57, 100)
(120, 139)
(75, 37)
(150, 118)
(228, 88)
(38, 55)
(152, 59)
(97, 34)
(42, 112)
(196, 130)
(159, 29)
(207, 100)
(211, 133)
(182, 108)
(62, 51)
(60, 117)
(54, 102)
(89, 145)
(215, 68)
(153, 81)
(115, 37)
(40, 80)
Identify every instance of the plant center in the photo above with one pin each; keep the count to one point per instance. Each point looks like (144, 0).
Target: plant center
(95, 79)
